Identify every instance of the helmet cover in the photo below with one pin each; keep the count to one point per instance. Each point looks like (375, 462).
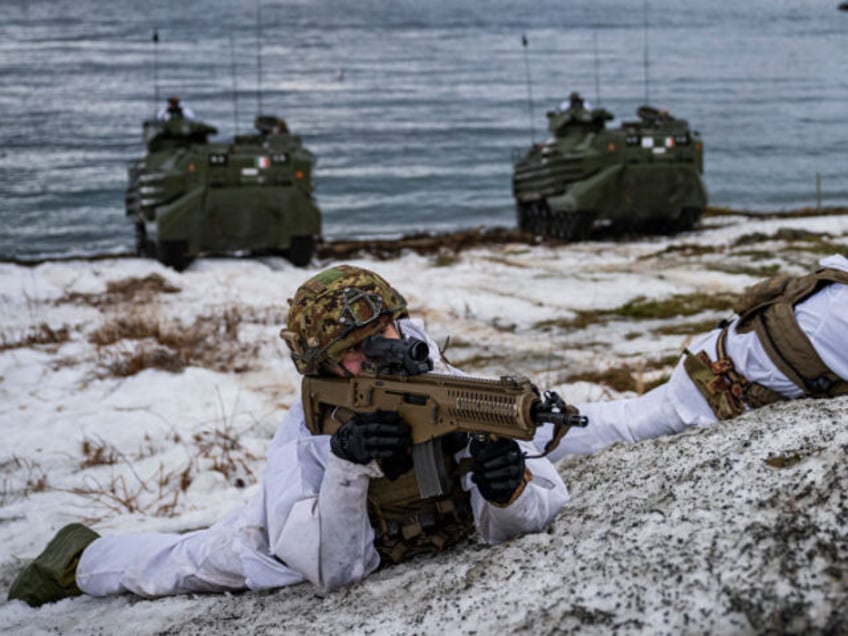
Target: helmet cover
(336, 310)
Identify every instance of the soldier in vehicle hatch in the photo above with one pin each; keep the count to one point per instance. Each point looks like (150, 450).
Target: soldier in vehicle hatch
(174, 109)
(788, 340)
(314, 517)
(575, 102)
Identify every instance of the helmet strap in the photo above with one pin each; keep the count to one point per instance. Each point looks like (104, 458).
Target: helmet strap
(336, 368)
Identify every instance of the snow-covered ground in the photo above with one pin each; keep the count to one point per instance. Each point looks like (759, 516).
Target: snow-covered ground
(134, 398)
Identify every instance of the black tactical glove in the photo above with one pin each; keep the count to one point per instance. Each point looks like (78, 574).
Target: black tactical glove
(497, 468)
(381, 435)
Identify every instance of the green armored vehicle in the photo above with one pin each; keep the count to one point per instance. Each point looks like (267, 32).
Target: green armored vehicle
(644, 175)
(188, 195)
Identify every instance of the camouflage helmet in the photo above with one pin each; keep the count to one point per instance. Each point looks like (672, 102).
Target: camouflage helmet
(336, 310)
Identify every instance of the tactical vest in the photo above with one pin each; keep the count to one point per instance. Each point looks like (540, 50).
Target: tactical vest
(767, 309)
(407, 525)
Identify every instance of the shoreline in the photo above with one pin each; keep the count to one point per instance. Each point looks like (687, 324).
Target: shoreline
(454, 241)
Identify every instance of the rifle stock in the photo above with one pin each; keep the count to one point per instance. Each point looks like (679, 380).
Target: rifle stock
(434, 405)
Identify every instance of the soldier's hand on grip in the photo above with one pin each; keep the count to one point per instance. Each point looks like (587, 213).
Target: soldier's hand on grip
(498, 469)
(381, 435)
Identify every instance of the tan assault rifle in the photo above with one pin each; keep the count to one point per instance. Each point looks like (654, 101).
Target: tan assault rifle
(434, 405)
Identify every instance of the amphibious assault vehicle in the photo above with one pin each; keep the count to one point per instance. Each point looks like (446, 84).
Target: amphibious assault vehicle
(644, 175)
(188, 196)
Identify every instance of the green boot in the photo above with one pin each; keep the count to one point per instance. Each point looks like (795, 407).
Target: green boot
(52, 575)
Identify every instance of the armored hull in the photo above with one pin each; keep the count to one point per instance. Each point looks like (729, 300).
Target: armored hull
(253, 193)
(644, 175)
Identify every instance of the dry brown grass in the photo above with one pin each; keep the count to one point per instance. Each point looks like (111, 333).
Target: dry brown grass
(97, 452)
(675, 306)
(688, 250)
(21, 478)
(641, 308)
(629, 376)
(126, 362)
(215, 448)
(618, 378)
(136, 335)
(126, 327)
(132, 342)
(223, 452)
(42, 334)
(124, 291)
(686, 328)
(157, 496)
(783, 234)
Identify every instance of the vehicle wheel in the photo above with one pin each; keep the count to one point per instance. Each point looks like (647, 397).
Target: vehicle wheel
(300, 250)
(524, 221)
(149, 249)
(583, 227)
(527, 218)
(143, 245)
(541, 219)
(173, 254)
(573, 226)
(559, 226)
(687, 220)
(140, 238)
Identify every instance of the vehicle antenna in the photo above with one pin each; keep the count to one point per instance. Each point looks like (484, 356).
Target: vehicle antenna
(235, 85)
(258, 58)
(529, 89)
(155, 70)
(597, 69)
(647, 79)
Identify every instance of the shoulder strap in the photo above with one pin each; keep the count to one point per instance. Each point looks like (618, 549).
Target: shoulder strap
(785, 342)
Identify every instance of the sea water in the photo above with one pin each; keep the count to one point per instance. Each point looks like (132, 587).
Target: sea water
(414, 109)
